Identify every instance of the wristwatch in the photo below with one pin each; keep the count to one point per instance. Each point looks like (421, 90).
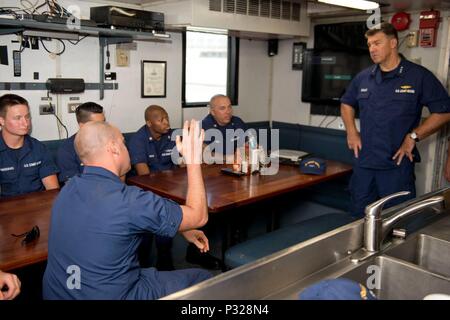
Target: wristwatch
(414, 136)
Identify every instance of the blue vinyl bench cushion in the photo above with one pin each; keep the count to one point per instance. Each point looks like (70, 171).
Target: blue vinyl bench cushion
(269, 243)
(53, 145)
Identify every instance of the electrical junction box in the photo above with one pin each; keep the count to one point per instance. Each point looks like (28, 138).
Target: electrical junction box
(45, 109)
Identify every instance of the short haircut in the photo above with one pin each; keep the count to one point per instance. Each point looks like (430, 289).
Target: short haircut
(84, 111)
(211, 101)
(9, 100)
(151, 109)
(385, 27)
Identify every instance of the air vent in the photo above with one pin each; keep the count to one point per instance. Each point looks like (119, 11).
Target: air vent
(264, 10)
(276, 9)
(296, 11)
(241, 6)
(229, 6)
(215, 5)
(253, 7)
(286, 10)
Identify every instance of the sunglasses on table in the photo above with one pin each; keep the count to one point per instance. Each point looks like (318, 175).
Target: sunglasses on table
(29, 236)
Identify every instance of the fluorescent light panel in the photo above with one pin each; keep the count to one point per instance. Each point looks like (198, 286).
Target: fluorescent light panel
(354, 4)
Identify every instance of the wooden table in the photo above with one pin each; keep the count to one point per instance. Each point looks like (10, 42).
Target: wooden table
(18, 215)
(227, 192)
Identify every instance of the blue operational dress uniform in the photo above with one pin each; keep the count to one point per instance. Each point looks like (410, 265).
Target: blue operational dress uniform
(390, 106)
(67, 160)
(22, 170)
(155, 153)
(96, 227)
(223, 145)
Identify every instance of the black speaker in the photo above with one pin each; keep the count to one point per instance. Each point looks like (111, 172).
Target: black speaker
(273, 47)
(65, 85)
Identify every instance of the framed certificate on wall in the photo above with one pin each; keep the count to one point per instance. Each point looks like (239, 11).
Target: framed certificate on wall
(153, 79)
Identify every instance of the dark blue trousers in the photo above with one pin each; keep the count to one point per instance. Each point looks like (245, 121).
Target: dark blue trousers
(369, 185)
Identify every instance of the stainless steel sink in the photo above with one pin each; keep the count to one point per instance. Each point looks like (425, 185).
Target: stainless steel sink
(394, 279)
(428, 252)
(405, 269)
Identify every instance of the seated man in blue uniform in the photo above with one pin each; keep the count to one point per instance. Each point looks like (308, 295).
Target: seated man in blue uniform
(25, 163)
(150, 150)
(221, 118)
(390, 96)
(216, 123)
(97, 223)
(67, 159)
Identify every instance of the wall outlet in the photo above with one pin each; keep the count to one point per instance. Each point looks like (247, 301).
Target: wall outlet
(46, 109)
(72, 107)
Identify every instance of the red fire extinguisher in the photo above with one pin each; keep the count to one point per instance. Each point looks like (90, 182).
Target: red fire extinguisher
(429, 25)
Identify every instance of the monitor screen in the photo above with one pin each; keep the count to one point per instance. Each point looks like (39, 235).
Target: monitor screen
(327, 73)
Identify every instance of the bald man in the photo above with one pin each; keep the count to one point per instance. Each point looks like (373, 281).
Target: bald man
(151, 146)
(150, 151)
(97, 223)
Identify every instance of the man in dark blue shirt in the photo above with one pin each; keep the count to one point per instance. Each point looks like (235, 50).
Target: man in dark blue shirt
(151, 149)
(97, 223)
(220, 120)
(152, 145)
(390, 96)
(67, 159)
(25, 163)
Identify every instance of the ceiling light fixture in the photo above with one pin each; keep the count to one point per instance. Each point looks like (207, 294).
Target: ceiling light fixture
(354, 4)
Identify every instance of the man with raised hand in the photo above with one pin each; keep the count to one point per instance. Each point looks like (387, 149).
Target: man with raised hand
(98, 222)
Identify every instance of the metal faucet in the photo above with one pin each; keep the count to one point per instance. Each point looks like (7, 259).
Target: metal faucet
(376, 229)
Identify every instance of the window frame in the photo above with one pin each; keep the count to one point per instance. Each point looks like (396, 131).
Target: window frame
(232, 73)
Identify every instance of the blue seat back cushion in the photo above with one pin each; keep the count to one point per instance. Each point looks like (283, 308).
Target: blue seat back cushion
(269, 243)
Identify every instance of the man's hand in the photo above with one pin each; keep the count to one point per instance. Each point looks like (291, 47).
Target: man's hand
(12, 283)
(198, 238)
(406, 149)
(192, 145)
(354, 143)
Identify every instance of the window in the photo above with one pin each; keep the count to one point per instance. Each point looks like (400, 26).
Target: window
(210, 67)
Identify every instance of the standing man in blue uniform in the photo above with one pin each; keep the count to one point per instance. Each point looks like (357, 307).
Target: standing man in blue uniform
(390, 96)
(97, 223)
(25, 163)
(221, 118)
(150, 151)
(67, 159)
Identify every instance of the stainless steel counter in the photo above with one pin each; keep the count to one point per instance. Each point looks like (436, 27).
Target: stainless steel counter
(407, 268)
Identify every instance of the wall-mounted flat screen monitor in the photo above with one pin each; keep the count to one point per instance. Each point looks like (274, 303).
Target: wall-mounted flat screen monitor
(327, 73)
